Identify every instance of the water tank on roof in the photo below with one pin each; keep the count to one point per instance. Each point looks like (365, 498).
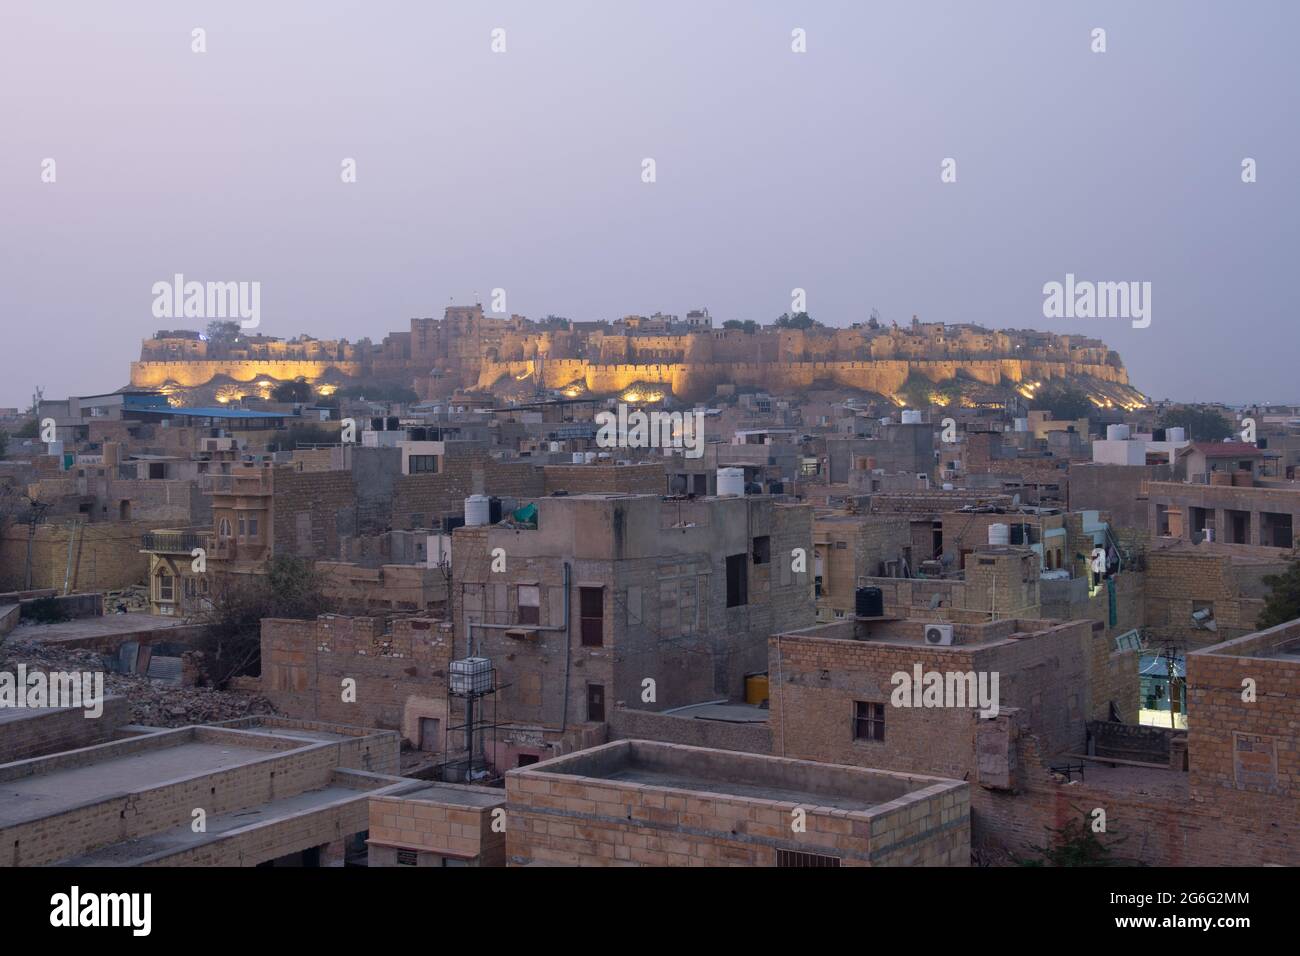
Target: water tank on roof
(947, 486)
(589, 457)
(478, 510)
(999, 534)
(1117, 433)
(1175, 434)
(869, 602)
(1021, 424)
(911, 417)
(731, 481)
(578, 458)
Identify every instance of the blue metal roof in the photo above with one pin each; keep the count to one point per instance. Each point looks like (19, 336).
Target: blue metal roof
(218, 412)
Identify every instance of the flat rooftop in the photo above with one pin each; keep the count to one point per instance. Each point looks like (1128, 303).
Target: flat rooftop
(177, 839)
(93, 628)
(724, 773)
(910, 632)
(464, 796)
(43, 794)
(730, 712)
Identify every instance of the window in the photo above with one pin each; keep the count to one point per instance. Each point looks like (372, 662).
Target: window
(529, 602)
(868, 720)
(252, 527)
(166, 586)
(841, 545)
(223, 529)
(596, 702)
(737, 580)
(762, 550)
(591, 616)
(422, 464)
(407, 857)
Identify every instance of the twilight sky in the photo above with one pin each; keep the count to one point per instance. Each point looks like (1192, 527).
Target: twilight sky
(775, 170)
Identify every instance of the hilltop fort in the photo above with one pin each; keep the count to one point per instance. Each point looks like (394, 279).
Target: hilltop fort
(684, 358)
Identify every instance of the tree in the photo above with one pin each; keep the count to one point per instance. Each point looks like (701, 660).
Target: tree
(749, 326)
(800, 320)
(1283, 601)
(1065, 402)
(1201, 422)
(381, 392)
(1075, 844)
(222, 330)
(231, 644)
(292, 392)
(29, 429)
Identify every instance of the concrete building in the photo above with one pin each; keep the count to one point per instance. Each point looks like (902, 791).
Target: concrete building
(628, 598)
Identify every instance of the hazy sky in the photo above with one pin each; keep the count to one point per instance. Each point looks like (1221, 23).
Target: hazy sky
(775, 170)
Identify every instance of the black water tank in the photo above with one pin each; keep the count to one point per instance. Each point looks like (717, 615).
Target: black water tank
(869, 602)
(1158, 434)
(494, 511)
(452, 522)
(1261, 443)
(776, 488)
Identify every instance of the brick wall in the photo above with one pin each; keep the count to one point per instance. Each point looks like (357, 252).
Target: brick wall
(648, 478)
(587, 820)
(626, 723)
(437, 828)
(34, 733)
(420, 499)
(304, 664)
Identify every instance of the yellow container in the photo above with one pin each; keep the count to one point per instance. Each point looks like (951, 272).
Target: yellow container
(755, 689)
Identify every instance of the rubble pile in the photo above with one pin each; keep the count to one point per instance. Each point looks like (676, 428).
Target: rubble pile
(153, 703)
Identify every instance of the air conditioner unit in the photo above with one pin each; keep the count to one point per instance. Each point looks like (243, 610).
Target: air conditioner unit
(938, 634)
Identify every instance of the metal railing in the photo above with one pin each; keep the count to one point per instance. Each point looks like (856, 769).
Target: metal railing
(173, 542)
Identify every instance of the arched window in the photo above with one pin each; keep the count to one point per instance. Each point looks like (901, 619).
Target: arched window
(166, 585)
(223, 530)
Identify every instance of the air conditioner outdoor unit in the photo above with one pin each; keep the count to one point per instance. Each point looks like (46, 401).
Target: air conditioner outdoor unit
(938, 634)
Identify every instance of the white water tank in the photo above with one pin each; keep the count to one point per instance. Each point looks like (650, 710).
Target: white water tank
(478, 510)
(911, 417)
(947, 486)
(999, 534)
(1021, 424)
(555, 446)
(1117, 433)
(731, 481)
(1175, 434)
(590, 457)
(578, 458)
